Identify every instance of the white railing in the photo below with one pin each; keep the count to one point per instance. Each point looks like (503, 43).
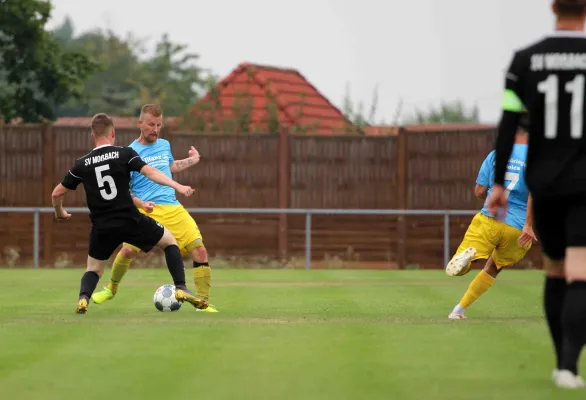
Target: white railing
(290, 211)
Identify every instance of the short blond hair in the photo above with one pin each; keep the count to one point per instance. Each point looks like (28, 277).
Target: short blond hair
(102, 124)
(151, 109)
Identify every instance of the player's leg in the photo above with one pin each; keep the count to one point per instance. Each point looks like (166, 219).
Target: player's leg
(574, 307)
(476, 245)
(549, 220)
(177, 269)
(102, 245)
(479, 285)
(183, 227)
(150, 233)
(119, 269)
(507, 253)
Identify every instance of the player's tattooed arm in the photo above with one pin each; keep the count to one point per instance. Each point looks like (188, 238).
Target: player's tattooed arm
(180, 165)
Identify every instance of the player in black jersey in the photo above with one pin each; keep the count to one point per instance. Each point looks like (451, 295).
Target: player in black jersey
(549, 79)
(105, 174)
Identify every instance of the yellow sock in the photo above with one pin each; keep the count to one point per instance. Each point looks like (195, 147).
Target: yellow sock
(119, 268)
(202, 276)
(480, 284)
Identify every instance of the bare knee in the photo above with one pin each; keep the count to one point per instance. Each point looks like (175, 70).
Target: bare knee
(491, 269)
(574, 264)
(95, 265)
(553, 268)
(128, 252)
(199, 254)
(167, 240)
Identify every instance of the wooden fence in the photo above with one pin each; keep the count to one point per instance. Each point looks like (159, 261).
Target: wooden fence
(413, 170)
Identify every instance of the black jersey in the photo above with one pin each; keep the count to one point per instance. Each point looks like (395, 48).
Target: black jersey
(105, 174)
(548, 80)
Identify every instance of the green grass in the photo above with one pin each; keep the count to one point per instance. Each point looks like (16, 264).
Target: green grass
(281, 334)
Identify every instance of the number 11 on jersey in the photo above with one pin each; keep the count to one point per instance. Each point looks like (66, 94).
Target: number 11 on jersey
(550, 87)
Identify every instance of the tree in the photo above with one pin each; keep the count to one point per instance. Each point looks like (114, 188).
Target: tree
(171, 78)
(36, 73)
(355, 113)
(454, 112)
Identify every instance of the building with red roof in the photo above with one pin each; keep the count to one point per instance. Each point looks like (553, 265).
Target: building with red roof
(270, 95)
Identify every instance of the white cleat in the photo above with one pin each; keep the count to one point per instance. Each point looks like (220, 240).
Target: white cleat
(454, 315)
(567, 380)
(460, 261)
(554, 374)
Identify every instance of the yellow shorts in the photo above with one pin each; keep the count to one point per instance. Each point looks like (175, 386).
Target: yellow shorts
(178, 221)
(493, 238)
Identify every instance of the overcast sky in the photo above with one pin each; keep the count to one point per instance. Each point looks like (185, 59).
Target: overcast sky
(421, 51)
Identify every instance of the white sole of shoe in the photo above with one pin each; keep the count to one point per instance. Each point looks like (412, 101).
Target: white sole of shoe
(460, 261)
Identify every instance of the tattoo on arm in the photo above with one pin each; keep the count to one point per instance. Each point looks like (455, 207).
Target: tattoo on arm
(182, 164)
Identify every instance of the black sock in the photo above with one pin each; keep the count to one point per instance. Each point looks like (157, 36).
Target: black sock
(175, 265)
(574, 325)
(89, 281)
(554, 294)
(198, 264)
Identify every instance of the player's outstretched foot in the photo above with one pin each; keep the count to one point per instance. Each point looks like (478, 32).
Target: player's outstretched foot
(567, 380)
(103, 296)
(460, 261)
(454, 315)
(185, 295)
(209, 308)
(82, 306)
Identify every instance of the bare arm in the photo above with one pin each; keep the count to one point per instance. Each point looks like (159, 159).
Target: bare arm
(480, 191)
(528, 235)
(157, 176)
(529, 216)
(57, 200)
(180, 165)
(137, 202)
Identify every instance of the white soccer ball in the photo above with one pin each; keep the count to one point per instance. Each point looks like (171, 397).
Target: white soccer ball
(165, 300)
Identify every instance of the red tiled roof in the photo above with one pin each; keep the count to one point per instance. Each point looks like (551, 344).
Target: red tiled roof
(298, 103)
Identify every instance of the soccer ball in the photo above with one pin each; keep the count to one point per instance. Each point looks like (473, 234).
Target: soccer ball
(165, 300)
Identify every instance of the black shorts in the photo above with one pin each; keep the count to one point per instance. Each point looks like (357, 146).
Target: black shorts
(560, 222)
(143, 233)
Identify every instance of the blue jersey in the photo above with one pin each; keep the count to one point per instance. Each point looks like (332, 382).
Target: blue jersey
(516, 188)
(157, 155)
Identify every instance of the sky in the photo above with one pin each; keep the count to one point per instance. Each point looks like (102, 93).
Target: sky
(417, 53)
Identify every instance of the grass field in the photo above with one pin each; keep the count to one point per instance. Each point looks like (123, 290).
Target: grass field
(281, 334)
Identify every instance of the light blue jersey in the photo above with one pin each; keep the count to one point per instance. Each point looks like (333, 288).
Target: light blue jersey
(514, 184)
(157, 155)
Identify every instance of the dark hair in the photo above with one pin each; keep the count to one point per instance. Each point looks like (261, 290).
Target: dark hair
(571, 8)
(102, 124)
(524, 121)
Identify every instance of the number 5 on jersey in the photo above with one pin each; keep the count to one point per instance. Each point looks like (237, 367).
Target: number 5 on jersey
(106, 179)
(575, 87)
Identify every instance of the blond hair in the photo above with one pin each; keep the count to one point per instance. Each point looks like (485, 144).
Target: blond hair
(151, 109)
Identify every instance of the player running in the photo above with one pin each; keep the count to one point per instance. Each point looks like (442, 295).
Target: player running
(548, 78)
(501, 243)
(162, 205)
(105, 174)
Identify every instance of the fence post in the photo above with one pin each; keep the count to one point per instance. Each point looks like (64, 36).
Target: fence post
(402, 169)
(36, 228)
(284, 193)
(446, 239)
(308, 240)
(49, 174)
